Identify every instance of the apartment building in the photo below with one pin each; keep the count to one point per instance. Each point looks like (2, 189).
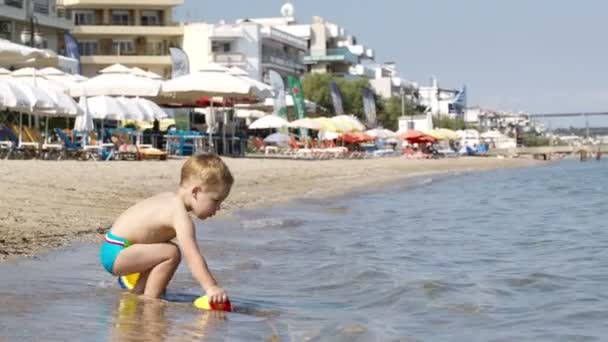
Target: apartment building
(387, 83)
(246, 44)
(330, 49)
(17, 17)
(134, 33)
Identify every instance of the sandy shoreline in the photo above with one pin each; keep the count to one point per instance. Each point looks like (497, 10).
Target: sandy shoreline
(46, 205)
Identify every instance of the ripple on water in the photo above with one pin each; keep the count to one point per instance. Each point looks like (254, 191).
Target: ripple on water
(272, 223)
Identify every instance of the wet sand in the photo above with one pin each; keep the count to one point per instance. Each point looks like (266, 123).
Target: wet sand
(47, 205)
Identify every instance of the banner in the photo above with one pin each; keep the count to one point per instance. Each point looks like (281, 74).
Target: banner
(369, 106)
(180, 65)
(460, 100)
(278, 87)
(71, 49)
(295, 88)
(336, 98)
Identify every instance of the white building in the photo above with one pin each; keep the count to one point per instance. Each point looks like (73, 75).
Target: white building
(246, 44)
(387, 83)
(440, 101)
(135, 33)
(48, 19)
(422, 122)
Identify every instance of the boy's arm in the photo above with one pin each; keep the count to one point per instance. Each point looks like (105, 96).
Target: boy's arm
(184, 229)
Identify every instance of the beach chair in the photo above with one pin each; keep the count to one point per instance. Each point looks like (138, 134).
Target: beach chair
(123, 150)
(47, 151)
(9, 143)
(24, 148)
(70, 148)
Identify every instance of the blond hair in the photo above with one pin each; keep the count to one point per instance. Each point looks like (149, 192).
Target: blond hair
(208, 169)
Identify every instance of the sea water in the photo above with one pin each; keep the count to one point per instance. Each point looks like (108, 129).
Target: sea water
(507, 255)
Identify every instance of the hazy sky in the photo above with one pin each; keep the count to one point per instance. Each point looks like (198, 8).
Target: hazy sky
(538, 56)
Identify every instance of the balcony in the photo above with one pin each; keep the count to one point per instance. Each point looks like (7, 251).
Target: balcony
(285, 38)
(229, 58)
(14, 3)
(339, 55)
(226, 32)
(283, 63)
(119, 30)
(74, 4)
(127, 60)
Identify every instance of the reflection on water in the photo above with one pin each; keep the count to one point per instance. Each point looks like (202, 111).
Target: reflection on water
(468, 257)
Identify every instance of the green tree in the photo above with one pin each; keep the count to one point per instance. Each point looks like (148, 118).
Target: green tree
(390, 110)
(444, 121)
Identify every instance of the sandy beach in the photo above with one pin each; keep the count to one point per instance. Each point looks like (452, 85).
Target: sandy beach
(47, 205)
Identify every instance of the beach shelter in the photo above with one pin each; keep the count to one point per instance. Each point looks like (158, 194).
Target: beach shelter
(349, 120)
(13, 53)
(269, 121)
(263, 89)
(381, 133)
(281, 139)
(117, 80)
(307, 123)
(212, 80)
(103, 107)
(151, 110)
(448, 133)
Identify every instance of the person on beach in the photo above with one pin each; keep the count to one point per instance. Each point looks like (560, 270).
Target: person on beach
(139, 240)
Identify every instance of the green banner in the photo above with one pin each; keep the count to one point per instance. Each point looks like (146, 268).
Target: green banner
(295, 88)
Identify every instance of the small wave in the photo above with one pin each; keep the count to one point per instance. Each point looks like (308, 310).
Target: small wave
(272, 223)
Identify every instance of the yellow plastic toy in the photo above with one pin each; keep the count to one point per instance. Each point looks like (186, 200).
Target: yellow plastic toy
(203, 303)
(129, 281)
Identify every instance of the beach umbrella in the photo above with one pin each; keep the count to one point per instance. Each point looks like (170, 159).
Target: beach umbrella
(435, 134)
(278, 138)
(269, 121)
(151, 110)
(350, 121)
(12, 97)
(448, 133)
(117, 80)
(212, 80)
(103, 107)
(307, 123)
(263, 90)
(13, 53)
(381, 133)
(326, 135)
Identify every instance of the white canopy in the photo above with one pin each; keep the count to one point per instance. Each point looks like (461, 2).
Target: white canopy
(151, 110)
(269, 121)
(12, 53)
(381, 133)
(103, 107)
(117, 80)
(213, 80)
(263, 89)
(306, 123)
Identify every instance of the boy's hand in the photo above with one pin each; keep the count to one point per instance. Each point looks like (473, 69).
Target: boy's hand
(216, 295)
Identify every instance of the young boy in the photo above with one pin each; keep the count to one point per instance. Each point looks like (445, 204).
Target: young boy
(140, 238)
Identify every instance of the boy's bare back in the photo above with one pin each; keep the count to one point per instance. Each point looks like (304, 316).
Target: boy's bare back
(151, 220)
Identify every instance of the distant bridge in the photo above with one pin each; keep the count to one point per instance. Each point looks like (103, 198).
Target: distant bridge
(545, 152)
(557, 115)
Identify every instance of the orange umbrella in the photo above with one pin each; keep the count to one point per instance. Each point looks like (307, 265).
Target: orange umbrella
(411, 134)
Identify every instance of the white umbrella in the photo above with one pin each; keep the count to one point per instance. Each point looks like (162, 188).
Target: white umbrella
(213, 80)
(12, 53)
(381, 133)
(12, 97)
(269, 121)
(132, 110)
(306, 123)
(150, 109)
(278, 138)
(38, 99)
(117, 80)
(263, 89)
(350, 120)
(103, 107)
(66, 80)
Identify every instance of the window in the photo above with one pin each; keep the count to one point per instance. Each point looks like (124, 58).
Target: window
(88, 48)
(123, 47)
(155, 48)
(84, 17)
(41, 6)
(151, 18)
(221, 47)
(120, 17)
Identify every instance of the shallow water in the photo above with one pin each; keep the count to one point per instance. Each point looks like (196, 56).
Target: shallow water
(507, 255)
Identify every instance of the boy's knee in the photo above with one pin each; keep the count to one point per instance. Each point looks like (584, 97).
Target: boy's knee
(175, 253)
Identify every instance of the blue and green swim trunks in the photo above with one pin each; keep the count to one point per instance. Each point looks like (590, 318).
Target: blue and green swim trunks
(111, 246)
